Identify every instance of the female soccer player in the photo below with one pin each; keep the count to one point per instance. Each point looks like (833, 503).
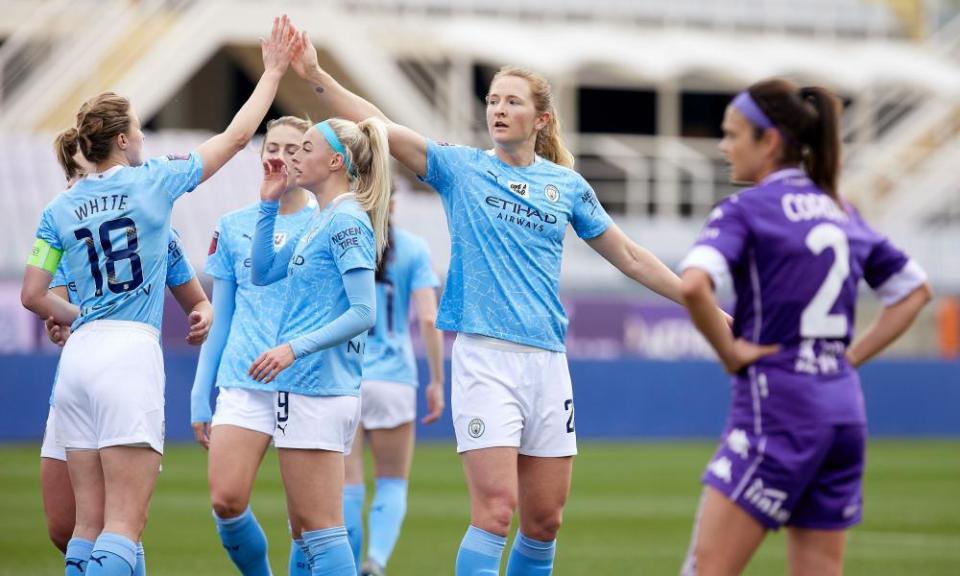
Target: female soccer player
(794, 443)
(388, 398)
(507, 210)
(59, 507)
(112, 229)
(328, 308)
(247, 318)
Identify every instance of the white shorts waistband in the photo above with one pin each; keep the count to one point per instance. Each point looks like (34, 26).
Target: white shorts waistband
(498, 344)
(120, 326)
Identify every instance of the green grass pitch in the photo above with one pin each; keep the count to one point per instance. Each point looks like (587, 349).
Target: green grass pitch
(630, 512)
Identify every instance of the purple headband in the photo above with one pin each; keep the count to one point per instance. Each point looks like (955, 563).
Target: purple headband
(746, 105)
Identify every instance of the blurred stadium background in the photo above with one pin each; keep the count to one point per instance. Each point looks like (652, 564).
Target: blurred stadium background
(642, 86)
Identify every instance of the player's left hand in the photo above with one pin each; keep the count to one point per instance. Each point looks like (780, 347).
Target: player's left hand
(278, 50)
(435, 402)
(272, 362)
(744, 353)
(57, 333)
(200, 322)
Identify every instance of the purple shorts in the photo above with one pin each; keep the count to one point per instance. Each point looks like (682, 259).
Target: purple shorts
(808, 478)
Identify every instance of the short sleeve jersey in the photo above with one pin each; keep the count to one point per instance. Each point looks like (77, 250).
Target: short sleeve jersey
(389, 356)
(507, 226)
(113, 230)
(337, 239)
(179, 272)
(796, 258)
(257, 311)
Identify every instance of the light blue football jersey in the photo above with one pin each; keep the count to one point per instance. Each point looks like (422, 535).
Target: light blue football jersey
(507, 226)
(113, 229)
(179, 272)
(389, 355)
(336, 240)
(256, 316)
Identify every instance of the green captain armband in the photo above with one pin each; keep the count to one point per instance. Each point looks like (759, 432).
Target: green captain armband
(45, 256)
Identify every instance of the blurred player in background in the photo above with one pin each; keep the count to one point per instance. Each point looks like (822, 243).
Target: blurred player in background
(388, 399)
(59, 506)
(507, 210)
(112, 229)
(328, 308)
(795, 437)
(247, 319)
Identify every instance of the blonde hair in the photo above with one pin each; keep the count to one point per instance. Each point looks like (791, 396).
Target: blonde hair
(366, 143)
(549, 143)
(296, 122)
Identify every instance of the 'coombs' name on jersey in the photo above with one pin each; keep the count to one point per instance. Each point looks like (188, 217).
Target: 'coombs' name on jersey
(796, 259)
(336, 240)
(113, 230)
(257, 311)
(389, 353)
(507, 226)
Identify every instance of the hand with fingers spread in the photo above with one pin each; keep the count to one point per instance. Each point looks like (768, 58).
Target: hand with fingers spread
(201, 319)
(201, 433)
(271, 363)
(274, 180)
(279, 49)
(435, 402)
(57, 333)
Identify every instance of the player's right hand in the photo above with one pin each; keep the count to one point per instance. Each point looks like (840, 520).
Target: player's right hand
(274, 179)
(305, 62)
(57, 333)
(201, 432)
(278, 50)
(744, 353)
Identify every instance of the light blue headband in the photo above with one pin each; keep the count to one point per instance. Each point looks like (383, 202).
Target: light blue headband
(331, 137)
(748, 107)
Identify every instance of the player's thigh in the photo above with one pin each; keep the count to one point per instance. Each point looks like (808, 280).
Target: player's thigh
(86, 478)
(59, 506)
(725, 536)
(129, 476)
(353, 462)
(235, 456)
(313, 480)
(392, 450)
(816, 552)
(544, 484)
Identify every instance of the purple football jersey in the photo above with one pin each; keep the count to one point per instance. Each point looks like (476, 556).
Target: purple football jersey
(796, 259)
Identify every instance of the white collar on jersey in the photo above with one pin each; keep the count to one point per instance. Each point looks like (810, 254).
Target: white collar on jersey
(783, 174)
(493, 154)
(104, 175)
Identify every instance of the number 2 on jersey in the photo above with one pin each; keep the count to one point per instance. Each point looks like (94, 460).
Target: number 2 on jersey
(816, 320)
(113, 256)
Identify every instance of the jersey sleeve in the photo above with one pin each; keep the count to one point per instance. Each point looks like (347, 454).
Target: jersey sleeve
(890, 273)
(589, 218)
(47, 250)
(178, 173)
(722, 243)
(219, 261)
(422, 274)
(351, 243)
(179, 269)
(442, 162)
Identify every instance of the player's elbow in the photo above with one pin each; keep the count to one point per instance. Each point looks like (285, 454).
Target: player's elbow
(367, 314)
(30, 298)
(693, 288)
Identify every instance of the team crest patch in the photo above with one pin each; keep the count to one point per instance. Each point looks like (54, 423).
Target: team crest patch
(475, 428)
(518, 188)
(279, 239)
(213, 243)
(551, 192)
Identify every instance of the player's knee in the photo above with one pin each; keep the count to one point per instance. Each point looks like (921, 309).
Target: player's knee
(497, 512)
(228, 505)
(544, 526)
(709, 559)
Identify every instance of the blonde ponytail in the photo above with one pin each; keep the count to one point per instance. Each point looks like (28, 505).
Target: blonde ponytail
(66, 146)
(369, 152)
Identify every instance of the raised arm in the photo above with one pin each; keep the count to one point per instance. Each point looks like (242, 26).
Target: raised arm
(425, 302)
(637, 263)
(268, 265)
(406, 145)
(277, 52)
